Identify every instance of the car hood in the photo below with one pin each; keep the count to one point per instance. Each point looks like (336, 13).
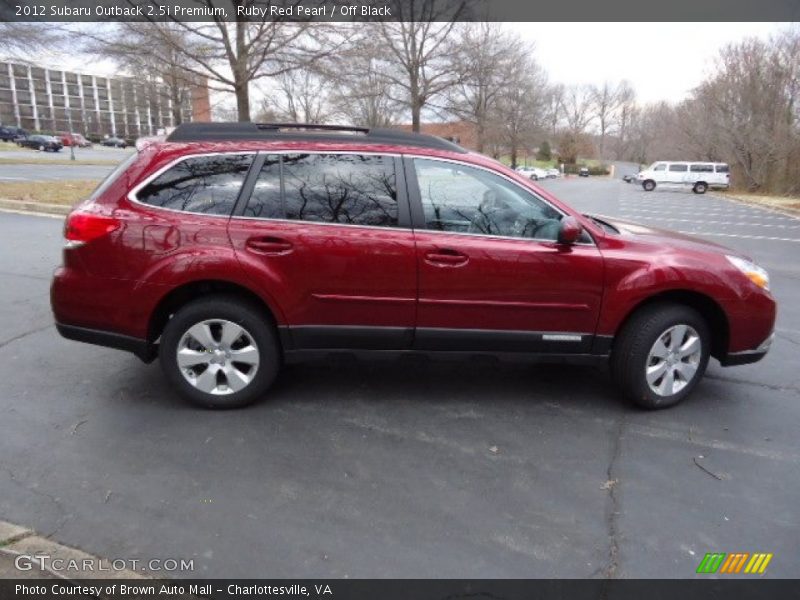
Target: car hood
(665, 237)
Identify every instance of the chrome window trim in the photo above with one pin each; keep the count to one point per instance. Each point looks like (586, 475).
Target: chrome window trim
(131, 196)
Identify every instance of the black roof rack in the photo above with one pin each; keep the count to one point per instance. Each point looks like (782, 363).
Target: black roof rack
(218, 132)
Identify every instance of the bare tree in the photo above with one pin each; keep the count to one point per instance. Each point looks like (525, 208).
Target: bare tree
(577, 116)
(362, 94)
(607, 99)
(301, 97)
(139, 48)
(420, 50)
(519, 117)
(485, 62)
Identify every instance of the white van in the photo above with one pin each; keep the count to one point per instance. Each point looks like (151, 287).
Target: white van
(698, 175)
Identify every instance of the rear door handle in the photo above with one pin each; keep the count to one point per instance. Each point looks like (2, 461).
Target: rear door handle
(270, 246)
(446, 257)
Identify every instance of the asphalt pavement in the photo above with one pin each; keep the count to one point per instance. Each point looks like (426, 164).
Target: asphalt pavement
(30, 172)
(409, 468)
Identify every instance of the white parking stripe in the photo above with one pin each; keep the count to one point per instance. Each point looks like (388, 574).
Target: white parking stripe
(745, 237)
(726, 223)
(709, 212)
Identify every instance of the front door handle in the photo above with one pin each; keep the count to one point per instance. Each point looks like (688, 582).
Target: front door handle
(446, 257)
(270, 246)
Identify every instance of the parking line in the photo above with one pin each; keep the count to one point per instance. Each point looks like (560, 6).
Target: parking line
(746, 237)
(727, 223)
(720, 213)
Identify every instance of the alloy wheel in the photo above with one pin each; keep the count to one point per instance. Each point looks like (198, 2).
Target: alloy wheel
(673, 360)
(218, 357)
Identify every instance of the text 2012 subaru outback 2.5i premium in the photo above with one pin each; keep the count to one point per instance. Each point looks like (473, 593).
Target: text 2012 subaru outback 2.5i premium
(229, 248)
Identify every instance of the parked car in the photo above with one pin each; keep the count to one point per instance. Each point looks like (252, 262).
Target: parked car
(553, 173)
(700, 176)
(114, 142)
(9, 133)
(629, 177)
(534, 173)
(45, 143)
(74, 139)
(231, 248)
(583, 172)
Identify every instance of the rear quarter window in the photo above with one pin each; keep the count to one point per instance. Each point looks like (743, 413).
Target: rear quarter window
(200, 184)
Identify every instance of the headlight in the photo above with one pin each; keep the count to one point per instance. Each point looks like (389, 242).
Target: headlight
(754, 273)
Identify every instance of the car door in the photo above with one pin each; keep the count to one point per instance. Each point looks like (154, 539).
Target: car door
(327, 237)
(491, 274)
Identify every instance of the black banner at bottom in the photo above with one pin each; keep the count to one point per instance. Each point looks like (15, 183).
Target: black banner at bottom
(403, 589)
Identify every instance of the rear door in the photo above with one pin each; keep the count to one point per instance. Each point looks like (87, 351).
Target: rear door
(491, 274)
(327, 237)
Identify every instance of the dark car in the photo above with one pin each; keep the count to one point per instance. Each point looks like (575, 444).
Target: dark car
(11, 134)
(114, 142)
(629, 177)
(45, 143)
(231, 248)
(583, 172)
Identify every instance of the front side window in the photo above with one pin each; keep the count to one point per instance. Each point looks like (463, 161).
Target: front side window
(350, 189)
(201, 184)
(464, 199)
(660, 167)
(679, 168)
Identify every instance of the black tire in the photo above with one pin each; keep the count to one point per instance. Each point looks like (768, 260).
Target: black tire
(649, 185)
(700, 187)
(632, 346)
(228, 308)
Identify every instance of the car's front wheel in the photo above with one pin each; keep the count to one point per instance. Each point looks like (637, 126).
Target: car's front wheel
(661, 354)
(649, 185)
(220, 352)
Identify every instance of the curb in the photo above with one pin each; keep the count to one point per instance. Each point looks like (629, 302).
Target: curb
(16, 540)
(34, 207)
(789, 212)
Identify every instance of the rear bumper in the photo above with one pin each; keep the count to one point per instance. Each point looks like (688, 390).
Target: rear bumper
(137, 346)
(747, 357)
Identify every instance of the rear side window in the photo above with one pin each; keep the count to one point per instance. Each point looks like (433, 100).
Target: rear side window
(351, 189)
(678, 168)
(200, 184)
(701, 168)
(723, 169)
(113, 176)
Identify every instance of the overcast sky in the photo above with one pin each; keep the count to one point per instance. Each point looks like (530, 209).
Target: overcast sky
(663, 61)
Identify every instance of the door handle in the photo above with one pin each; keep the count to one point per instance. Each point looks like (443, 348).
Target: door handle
(445, 257)
(271, 246)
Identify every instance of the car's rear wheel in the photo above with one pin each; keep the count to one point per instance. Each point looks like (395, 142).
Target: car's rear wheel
(649, 185)
(700, 187)
(41, 148)
(661, 354)
(220, 352)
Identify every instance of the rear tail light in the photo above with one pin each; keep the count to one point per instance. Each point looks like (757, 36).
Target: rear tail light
(82, 227)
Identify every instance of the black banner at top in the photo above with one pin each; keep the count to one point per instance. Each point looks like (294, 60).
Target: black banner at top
(397, 10)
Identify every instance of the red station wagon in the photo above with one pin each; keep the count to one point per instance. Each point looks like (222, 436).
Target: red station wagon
(230, 248)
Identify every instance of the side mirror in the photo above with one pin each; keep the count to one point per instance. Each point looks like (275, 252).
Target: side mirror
(569, 231)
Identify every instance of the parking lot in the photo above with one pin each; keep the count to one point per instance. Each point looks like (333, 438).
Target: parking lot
(410, 468)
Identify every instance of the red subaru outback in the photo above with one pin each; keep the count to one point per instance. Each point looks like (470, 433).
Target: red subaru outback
(230, 248)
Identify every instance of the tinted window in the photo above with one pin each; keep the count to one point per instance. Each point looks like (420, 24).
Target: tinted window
(470, 200)
(661, 167)
(723, 168)
(265, 201)
(203, 184)
(701, 168)
(340, 188)
(679, 168)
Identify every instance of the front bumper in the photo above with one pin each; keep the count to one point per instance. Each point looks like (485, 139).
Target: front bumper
(747, 357)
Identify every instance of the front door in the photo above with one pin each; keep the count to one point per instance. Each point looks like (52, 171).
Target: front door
(327, 238)
(491, 273)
